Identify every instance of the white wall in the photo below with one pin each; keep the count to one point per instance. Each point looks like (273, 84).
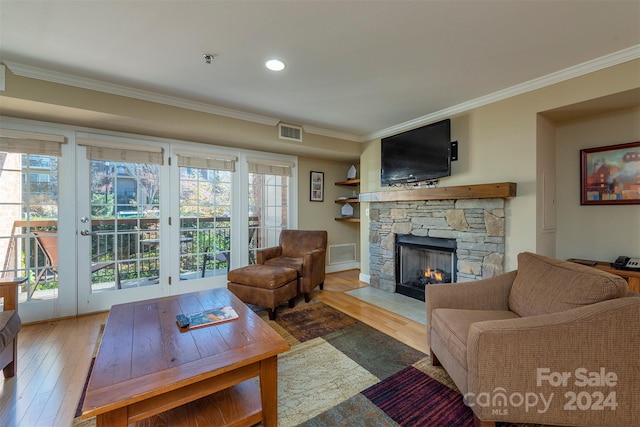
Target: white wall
(594, 232)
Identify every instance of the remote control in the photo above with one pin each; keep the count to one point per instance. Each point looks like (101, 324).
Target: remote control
(183, 321)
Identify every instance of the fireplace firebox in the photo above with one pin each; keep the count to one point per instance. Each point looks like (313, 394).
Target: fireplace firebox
(421, 261)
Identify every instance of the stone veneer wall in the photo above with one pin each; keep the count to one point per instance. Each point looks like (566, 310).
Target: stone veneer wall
(478, 225)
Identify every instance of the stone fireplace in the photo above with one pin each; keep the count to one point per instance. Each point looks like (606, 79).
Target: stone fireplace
(421, 261)
(475, 226)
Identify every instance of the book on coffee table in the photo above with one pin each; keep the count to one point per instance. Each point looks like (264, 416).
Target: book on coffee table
(206, 317)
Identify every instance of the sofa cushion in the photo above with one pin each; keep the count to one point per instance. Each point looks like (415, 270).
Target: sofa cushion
(9, 327)
(262, 276)
(546, 285)
(286, 261)
(453, 326)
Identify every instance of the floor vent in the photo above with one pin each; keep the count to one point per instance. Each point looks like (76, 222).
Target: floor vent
(339, 254)
(290, 132)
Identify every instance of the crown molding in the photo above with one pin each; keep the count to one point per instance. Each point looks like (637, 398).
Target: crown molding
(332, 134)
(143, 95)
(606, 61)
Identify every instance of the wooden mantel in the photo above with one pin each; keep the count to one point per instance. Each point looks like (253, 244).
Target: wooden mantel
(479, 191)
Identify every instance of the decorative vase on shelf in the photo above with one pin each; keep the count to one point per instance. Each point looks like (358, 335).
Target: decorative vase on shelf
(351, 174)
(347, 210)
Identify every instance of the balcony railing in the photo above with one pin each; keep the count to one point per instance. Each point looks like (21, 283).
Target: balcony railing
(133, 244)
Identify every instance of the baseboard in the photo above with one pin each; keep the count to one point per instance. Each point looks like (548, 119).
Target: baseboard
(342, 267)
(366, 278)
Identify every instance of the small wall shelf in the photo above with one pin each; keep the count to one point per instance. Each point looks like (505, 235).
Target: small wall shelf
(351, 200)
(351, 182)
(352, 219)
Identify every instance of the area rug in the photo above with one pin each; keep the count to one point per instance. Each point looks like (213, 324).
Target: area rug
(342, 372)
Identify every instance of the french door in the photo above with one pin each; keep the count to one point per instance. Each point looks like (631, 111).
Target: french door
(124, 246)
(91, 220)
(146, 228)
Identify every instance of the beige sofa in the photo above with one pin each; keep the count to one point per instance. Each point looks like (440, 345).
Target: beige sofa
(553, 343)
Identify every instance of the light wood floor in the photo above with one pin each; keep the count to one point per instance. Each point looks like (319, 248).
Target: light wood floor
(54, 357)
(412, 333)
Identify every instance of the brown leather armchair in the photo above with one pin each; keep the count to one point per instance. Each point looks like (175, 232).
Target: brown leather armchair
(302, 250)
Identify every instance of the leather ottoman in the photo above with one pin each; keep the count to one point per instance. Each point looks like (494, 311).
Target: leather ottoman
(264, 285)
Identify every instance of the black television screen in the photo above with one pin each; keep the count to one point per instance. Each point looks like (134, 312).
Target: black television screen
(417, 155)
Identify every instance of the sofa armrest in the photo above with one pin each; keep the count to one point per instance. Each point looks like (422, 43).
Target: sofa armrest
(486, 294)
(313, 264)
(533, 355)
(263, 255)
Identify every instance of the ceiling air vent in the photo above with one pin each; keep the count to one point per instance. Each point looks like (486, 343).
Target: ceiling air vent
(290, 132)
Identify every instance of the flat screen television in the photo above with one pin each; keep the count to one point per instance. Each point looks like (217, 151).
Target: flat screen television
(417, 155)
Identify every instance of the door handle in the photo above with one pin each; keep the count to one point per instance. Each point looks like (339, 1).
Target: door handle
(86, 232)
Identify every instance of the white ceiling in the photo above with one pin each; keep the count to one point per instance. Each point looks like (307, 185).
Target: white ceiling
(355, 69)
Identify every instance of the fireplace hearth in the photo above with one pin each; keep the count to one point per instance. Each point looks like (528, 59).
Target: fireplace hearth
(421, 261)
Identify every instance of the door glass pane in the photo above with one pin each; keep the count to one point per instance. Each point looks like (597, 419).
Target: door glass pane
(125, 227)
(29, 223)
(205, 222)
(268, 210)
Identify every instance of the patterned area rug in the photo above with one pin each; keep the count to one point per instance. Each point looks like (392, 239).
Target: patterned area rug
(333, 358)
(340, 372)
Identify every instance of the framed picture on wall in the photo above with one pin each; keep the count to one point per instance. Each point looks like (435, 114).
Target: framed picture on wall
(610, 175)
(317, 187)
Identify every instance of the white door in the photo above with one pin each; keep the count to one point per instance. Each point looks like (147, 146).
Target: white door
(123, 243)
(203, 184)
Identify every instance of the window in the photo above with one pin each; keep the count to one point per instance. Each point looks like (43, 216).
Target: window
(125, 224)
(268, 203)
(124, 197)
(28, 203)
(205, 214)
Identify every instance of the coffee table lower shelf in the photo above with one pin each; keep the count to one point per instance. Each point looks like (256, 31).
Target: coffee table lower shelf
(235, 406)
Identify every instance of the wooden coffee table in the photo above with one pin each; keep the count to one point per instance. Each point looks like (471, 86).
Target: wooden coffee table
(147, 365)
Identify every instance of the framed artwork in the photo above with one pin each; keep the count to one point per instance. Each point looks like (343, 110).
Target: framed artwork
(610, 175)
(317, 187)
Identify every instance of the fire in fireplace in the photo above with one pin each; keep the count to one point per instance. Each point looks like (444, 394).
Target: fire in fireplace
(421, 261)
(429, 276)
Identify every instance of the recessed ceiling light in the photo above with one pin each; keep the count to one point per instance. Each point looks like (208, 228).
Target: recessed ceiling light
(275, 65)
